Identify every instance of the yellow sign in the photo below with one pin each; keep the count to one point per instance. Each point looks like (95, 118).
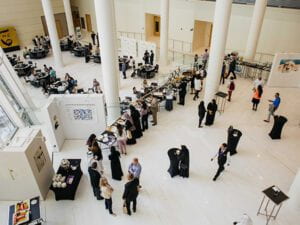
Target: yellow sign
(8, 39)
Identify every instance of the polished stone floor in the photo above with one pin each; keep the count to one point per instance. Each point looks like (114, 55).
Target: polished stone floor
(260, 162)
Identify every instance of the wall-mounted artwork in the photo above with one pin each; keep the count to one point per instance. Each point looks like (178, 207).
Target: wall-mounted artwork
(39, 158)
(288, 65)
(83, 114)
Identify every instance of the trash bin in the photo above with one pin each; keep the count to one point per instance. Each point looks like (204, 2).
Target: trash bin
(279, 122)
(233, 139)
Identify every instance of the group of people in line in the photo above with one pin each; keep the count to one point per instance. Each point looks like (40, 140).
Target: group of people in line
(102, 190)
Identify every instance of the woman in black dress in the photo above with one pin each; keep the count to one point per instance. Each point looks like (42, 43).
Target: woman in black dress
(135, 115)
(129, 127)
(201, 112)
(184, 165)
(116, 169)
(212, 108)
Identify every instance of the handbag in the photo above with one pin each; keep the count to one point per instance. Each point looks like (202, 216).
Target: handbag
(125, 208)
(128, 134)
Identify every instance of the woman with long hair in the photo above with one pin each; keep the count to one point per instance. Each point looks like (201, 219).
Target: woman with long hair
(90, 141)
(121, 139)
(106, 193)
(129, 127)
(256, 96)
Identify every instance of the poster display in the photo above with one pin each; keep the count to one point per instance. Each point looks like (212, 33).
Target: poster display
(285, 71)
(8, 39)
(39, 158)
(82, 112)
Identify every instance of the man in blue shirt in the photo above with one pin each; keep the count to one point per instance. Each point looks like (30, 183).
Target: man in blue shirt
(273, 107)
(135, 168)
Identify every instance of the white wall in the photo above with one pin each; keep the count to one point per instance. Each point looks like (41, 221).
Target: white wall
(25, 16)
(280, 31)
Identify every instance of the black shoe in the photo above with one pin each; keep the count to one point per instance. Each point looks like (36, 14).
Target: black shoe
(214, 179)
(154, 124)
(134, 210)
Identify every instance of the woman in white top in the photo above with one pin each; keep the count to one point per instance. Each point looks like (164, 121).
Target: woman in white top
(100, 168)
(106, 193)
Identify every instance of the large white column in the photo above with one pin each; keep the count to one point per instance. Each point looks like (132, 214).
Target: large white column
(255, 28)
(51, 25)
(217, 50)
(106, 25)
(164, 32)
(294, 193)
(69, 17)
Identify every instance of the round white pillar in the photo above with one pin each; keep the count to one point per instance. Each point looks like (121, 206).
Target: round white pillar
(164, 32)
(217, 50)
(255, 28)
(294, 192)
(106, 25)
(69, 17)
(51, 25)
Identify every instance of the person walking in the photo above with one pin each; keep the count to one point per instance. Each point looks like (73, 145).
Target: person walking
(201, 113)
(95, 180)
(205, 57)
(144, 115)
(232, 67)
(222, 155)
(222, 80)
(231, 88)
(130, 193)
(197, 87)
(154, 110)
(124, 68)
(273, 107)
(135, 169)
(121, 138)
(256, 96)
(115, 164)
(93, 36)
(106, 193)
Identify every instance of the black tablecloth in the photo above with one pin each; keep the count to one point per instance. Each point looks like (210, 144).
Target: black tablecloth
(276, 198)
(69, 192)
(279, 122)
(79, 51)
(38, 54)
(23, 70)
(34, 212)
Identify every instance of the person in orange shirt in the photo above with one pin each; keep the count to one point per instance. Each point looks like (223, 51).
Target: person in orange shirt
(256, 96)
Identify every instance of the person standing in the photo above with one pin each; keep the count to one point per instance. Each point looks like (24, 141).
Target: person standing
(97, 39)
(96, 87)
(222, 80)
(197, 87)
(182, 92)
(201, 113)
(95, 159)
(135, 115)
(146, 57)
(193, 82)
(95, 180)
(154, 110)
(130, 193)
(151, 57)
(205, 57)
(116, 169)
(124, 68)
(256, 96)
(212, 108)
(196, 58)
(144, 114)
(232, 67)
(121, 139)
(273, 107)
(231, 88)
(135, 169)
(129, 128)
(258, 82)
(93, 36)
(222, 155)
(106, 193)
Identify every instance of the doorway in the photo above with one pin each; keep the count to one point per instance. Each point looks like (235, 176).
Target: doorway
(59, 29)
(152, 31)
(88, 21)
(61, 25)
(202, 35)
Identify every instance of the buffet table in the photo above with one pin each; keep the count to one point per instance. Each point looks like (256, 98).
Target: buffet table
(68, 193)
(34, 215)
(254, 70)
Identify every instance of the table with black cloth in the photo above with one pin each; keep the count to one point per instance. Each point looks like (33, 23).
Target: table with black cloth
(22, 69)
(38, 53)
(146, 71)
(35, 213)
(279, 122)
(69, 192)
(79, 51)
(233, 139)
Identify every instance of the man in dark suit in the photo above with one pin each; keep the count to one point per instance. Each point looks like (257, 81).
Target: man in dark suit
(93, 36)
(95, 180)
(130, 193)
(182, 92)
(151, 57)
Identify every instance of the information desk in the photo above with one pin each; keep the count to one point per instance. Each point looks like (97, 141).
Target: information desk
(38, 53)
(69, 192)
(35, 214)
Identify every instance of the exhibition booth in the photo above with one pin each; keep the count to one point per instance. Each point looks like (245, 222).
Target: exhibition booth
(71, 117)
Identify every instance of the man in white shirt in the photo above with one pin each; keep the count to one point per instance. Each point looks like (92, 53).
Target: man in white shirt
(258, 82)
(205, 57)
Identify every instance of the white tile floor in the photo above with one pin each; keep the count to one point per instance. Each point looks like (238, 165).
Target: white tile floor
(260, 163)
